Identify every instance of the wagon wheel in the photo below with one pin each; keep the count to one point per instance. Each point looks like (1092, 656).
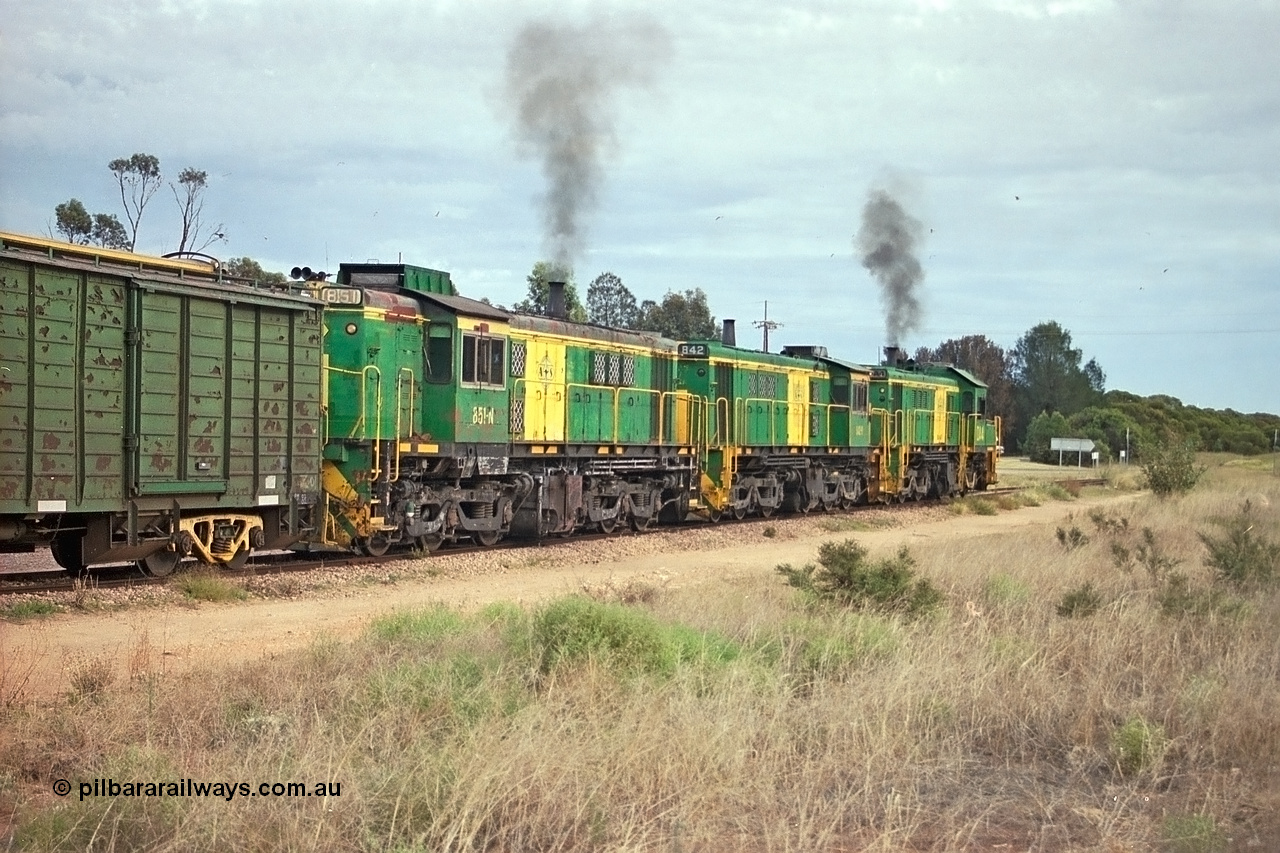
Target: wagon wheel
(486, 538)
(376, 545)
(66, 551)
(428, 542)
(160, 564)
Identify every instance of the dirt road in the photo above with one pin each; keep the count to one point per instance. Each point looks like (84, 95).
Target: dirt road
(39, 655)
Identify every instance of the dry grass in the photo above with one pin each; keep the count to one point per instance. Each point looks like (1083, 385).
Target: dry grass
(729, 716)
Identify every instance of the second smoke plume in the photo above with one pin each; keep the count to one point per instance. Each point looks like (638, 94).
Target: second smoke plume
(887, 243)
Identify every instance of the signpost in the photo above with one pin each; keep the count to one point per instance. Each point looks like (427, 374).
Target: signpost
(1078, 446)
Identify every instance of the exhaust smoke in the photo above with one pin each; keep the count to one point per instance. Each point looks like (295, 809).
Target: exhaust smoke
(561, 81)
(887, 243)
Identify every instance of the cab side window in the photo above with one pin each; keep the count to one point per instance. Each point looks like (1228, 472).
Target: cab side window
(439, 353)
(483, 360)
(840, 390)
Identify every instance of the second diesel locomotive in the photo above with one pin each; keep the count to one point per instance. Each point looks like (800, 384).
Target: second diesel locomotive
(384, 409)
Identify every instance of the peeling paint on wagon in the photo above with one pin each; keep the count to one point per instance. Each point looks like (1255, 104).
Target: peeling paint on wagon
(134, 379)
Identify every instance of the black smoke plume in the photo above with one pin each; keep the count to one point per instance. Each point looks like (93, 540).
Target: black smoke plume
(887, 242)
(561, 81)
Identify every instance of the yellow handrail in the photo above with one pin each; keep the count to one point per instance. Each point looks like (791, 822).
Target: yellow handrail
(399, 409)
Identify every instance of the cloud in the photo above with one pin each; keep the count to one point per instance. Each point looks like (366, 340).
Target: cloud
(1064, 152)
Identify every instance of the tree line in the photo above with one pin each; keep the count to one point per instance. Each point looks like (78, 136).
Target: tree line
(1042, 389)
(681, 316)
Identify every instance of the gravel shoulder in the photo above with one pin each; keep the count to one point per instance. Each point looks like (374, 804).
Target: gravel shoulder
(159, 627)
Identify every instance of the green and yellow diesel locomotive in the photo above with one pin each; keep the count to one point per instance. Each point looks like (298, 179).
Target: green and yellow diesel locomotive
(449, 418)
(156, 409)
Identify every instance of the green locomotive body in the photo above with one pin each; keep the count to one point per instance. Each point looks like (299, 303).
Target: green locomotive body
(932, 426)
(450, 418)
(780, 431)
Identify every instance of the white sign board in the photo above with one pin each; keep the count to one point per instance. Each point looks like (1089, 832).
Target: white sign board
(1071, 445)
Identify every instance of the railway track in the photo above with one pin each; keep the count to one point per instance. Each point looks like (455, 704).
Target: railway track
(124, 576)
(110, 577)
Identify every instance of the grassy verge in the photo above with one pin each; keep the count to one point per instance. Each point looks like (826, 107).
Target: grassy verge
(1057, 698)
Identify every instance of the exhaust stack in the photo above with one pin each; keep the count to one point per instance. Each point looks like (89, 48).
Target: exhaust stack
(895, 356)
(555, 300)
(728, 334)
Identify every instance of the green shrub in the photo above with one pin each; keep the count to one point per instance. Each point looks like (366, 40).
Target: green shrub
(1171, 469)
(690, 645)
(1151, 557)
(1057, 492)
(1105, 522)
(1242, 555)
(577, 628)
(981, 506)
(1005, 589)
(1084, 600)
(848, 578)
(831, 648)
(206, 586)
(1177, 596)
(1193, 833)
(1138, 745)
(30, 608)
(1073, 538)
(420, 626)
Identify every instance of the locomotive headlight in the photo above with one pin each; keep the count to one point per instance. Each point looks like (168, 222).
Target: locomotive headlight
(351, 328)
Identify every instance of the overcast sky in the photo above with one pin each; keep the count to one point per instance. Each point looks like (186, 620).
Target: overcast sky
(1111, 166)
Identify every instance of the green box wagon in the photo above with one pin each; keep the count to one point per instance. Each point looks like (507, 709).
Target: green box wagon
(152, 409)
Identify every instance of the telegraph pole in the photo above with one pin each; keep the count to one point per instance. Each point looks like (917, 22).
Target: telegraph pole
(766, 324)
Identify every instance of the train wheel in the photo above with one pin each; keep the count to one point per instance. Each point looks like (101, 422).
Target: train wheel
(640, 524)
(486, 538)
(739, 512)
(714, 515)
(767, 511)
(428, 543)
(66, 551)
(607, 525)
(376, 545)
(160, 564)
